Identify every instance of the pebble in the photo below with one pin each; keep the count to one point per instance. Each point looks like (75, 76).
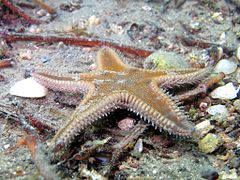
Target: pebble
(116, 29)
(218, 110)
(27, 55)
(203, 128)
(209, 143)
(28, 88)
(227, 91)
(225, 66)
(231, 174)
(209, 173)
(238, 75)
(35, 30)
(93, 20)
(41, 13)
(217, 17)
(238, 53)
(126, 124)
(6, 146)
(236, 104)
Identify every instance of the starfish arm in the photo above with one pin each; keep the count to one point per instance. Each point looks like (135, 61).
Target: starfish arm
(98, 107)
(109, 60)
(162, 110)
(80, 83)
(184, 77)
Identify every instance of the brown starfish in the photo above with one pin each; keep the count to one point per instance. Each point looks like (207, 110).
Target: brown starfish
(116, 85)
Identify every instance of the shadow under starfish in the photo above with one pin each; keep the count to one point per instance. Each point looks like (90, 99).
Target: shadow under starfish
(116, 85)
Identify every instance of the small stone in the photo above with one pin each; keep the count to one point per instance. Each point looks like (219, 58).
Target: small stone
(126, 124)
(225, 66)
(238, 53)
(146, 8)
(236, 104)
(6, 146)
(25, 55)
(217, 17)
(203, 128)
(154, 171)
(116, 29)
(218, 110)
(231, 174)
(195, 26)
(28, 88)
(209, 143)
(41, 13)
(235, 162)
(227, 91)
(34, 30)
(209, 174)
(93, 20)
(238, 75)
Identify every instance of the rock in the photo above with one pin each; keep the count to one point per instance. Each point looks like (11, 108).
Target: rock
(93, 21)
(165, 60)
(209, 143)
(209, 174)
(126, 124)
(225, 66)
(227, 91)
(236, 104)
(28, 88)
(231, 174)
(25, 55)
(238, 75)
(217, 17)
(218, 110)
(203, 128)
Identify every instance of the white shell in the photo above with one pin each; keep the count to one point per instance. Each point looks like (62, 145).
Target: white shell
(227, 91)
(218, 110)
(225, 66)
(28, 88)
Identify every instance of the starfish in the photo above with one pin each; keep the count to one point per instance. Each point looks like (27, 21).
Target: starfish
(115, 85)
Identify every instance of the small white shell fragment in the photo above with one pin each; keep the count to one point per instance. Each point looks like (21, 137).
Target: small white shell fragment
(28, 88)
(139, 146)
(203, 128)
(225, 66)
(227, 91)
(218, 110)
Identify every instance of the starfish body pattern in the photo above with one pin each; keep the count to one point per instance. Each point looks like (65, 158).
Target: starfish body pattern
(116, 85)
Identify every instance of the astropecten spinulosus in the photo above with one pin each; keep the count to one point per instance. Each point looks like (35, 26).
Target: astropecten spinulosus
(115, 85)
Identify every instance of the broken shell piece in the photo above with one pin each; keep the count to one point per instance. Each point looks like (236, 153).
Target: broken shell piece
(139, 146)
(203, 128)
(28, 88)
(218, 110)
(227, 91)
(225, 66)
